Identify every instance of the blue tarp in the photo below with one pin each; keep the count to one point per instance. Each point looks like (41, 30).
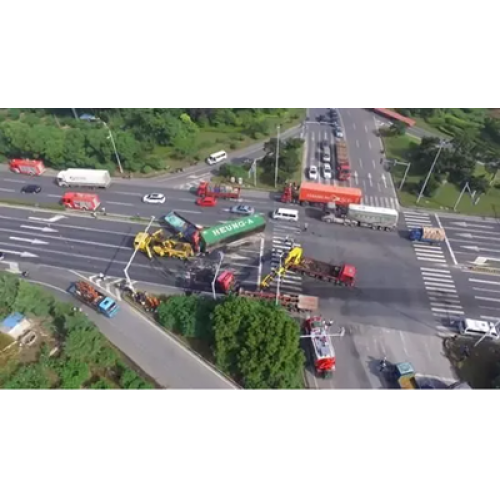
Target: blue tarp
(10, 322)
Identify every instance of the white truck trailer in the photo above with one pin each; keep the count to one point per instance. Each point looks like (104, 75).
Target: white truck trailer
(364, 216)
(81, 177)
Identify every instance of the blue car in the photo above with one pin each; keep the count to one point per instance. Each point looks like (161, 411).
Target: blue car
(242, 210)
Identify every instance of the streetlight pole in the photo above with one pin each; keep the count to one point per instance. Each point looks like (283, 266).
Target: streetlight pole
(277, 157)
(114, 145)
(441, 145)
(408, 165)
(221, 257)
(127, 267)
(74, 113)
(279, 280)
(460, 195)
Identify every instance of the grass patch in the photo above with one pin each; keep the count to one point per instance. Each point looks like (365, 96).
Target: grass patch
(229, 139)
(421, 123)
(446, 196)
(5, 341)
(26, 203)
(480, 368)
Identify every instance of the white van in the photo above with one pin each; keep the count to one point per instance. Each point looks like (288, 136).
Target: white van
(286, 214)
(477, 328)
(217, 157)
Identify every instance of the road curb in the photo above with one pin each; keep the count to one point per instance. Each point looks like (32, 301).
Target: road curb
(178, 340)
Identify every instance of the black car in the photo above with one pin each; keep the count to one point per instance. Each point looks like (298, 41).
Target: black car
(2, 256)
(31, 188)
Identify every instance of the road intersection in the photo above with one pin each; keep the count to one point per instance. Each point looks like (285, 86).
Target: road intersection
(407, 293)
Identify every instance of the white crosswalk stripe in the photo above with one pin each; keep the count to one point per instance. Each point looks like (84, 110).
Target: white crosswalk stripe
(282, 241)
(380, 201)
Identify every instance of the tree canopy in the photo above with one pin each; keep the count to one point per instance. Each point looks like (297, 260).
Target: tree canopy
(84, 359)
(143, 136)
(257, 343)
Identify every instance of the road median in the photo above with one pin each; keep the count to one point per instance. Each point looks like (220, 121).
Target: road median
(54, 208)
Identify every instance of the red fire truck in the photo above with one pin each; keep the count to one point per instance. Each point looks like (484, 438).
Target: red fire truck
(27, 167)
(322, 347)
(81, 201)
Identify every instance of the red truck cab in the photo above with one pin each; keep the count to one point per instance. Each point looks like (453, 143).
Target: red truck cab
(205, 189)
(81, 201)
(27, 167)
(225, 282)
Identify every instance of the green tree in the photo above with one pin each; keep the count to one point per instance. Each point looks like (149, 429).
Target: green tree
(72, 373)
(257, 343)
(187, 316)
(130, 380)
(398, 129)
(31, 376)
(101, 384)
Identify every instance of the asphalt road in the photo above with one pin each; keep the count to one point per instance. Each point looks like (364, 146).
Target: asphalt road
(147, 345)
(364, 151)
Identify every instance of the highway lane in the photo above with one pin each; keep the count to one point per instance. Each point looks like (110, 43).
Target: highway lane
(364, 152)
(147, 345)
(106, 246)
(126, 199)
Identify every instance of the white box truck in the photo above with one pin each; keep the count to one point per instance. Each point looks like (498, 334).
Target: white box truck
(81, 177)
(365, 216)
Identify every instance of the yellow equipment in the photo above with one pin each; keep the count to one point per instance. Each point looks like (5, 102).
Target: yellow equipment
(293, 258)
(160, 245)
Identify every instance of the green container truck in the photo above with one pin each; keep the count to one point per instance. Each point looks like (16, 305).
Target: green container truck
(229, 232)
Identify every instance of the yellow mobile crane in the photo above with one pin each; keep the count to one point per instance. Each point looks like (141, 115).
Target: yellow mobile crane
(293, 258)
(158, 244)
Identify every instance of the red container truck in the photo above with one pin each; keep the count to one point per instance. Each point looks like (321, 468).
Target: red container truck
(27, 167)
(342, 166)
(314, 193)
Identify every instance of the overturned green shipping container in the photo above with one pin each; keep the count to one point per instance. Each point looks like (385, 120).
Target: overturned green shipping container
(229, 232)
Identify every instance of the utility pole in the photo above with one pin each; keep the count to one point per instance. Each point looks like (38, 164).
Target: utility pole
(408, 165)
(279, 280)
(113, 144)
(277, 157)
(75, 114)
(466, 186)
(441, 145)
(127, 267)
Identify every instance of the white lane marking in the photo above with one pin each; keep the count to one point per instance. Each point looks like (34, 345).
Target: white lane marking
(434, 275)
(56, 218)
(490, 318)
(440, 284)
(485, 290)
(53, 195)
(447, 302)
(15, 181)
(370, 179)
(488, 299)
(21, 254)
(125, 193)
(431, 260)
(447, 311)
(369, 144)
(354, 126)
(357, 143)
(8, 190)
(29, 240)
(366, 129)
(43, 229)
(360, 163)
(374, 164)
(261, 253)
(121, 204)
(433, 269)
(429, 250)
(473, 280)
(430, 279)
(447, 241)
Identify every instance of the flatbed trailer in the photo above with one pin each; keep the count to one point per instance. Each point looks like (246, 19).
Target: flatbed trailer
(338, 274)
(92, 297)
(223, 191)
(292, 302)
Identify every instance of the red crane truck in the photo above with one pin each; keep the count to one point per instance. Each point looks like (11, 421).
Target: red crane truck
(205, 189)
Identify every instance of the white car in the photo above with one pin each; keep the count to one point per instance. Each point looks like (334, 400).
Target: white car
(154, 198)
(339, 134)
(313, 173)
(327, 172)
